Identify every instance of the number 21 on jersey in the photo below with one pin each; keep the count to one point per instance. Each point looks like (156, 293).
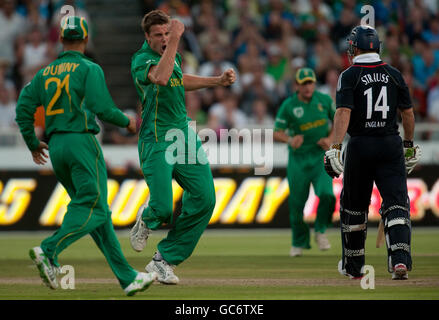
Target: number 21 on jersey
(50, 111)
(380, 104)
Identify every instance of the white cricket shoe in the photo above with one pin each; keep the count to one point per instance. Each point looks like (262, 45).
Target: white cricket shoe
(322, 241)
(400, 272)
(141, 283)
(139, 233)
(47, 270)
(164, 270)
(295, 252)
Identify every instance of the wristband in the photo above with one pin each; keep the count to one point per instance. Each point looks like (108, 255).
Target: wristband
(336, 146)
(408, 143)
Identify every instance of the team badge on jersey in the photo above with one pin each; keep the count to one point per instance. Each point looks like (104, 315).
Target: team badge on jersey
(298, 112)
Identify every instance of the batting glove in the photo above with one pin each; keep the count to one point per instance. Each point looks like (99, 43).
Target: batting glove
(412, 155)
(332, 160)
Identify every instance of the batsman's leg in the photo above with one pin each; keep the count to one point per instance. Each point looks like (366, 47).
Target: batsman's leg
(395, 209)
(354, 207)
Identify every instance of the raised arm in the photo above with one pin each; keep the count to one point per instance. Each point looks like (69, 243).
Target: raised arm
(192, 82)
(161, 73)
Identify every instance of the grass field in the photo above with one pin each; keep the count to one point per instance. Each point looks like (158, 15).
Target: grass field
(230, 265)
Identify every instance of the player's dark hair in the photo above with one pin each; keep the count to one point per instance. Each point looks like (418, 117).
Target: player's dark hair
(71, 42)
(152, 18)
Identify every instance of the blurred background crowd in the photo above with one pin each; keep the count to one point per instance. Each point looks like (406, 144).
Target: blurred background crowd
(265, 41)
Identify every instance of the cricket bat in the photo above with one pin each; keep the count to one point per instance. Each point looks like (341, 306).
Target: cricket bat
(380, 235)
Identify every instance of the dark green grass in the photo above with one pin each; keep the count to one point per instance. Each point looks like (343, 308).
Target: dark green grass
(240, 264)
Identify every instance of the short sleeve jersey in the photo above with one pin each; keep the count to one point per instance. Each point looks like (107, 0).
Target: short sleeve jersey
(73, 92)
(373, 91)
(163, 107)
(308, 119)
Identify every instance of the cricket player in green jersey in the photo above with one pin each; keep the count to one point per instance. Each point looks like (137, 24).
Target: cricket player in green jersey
(161, 85)
(73, 92)
(303, 123)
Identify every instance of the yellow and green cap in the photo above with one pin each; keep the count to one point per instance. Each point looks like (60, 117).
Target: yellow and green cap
(305, 74)
(74, 28)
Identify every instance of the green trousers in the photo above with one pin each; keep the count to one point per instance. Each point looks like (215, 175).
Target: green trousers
(185, 161)
(79, 165)
(302, 171)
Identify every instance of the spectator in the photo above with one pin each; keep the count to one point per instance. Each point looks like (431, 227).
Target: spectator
(193, 107)
(248, 33)
(213, 34)
(240, 12)
(11, 27)
(247, 60)
(342, 28)
(217, 63)
(6, 82)
(226, 115)
(260, 117)
(425, 65)
(204, 12)
(35, 54)
(324, 56)
(313, 13)
(295, 44)
(258, 84)
(7, 109)
(177, 9)
(432, 35)
(274, 19)
(189, 62)
(277, 64)
(417, 22)
(330, 86)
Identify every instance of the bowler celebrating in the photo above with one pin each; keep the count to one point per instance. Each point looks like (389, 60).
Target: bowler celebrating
(161, 85)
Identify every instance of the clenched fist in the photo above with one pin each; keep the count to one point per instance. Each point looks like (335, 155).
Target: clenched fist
(176, 28)
(228, 77)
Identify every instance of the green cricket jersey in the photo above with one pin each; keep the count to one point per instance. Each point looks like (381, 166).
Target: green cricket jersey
(163, 106)
(73, 91)
(309, 119)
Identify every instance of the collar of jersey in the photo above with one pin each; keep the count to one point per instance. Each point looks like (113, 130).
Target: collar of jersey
(367, 58)
(146, 47)
(62, 54)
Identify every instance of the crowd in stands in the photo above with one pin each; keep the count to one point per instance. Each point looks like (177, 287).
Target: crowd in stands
(265, 41)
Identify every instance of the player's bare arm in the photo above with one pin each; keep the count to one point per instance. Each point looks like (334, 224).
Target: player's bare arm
(193, 82)
(341, 122)
(408, 123)
(164, 40)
